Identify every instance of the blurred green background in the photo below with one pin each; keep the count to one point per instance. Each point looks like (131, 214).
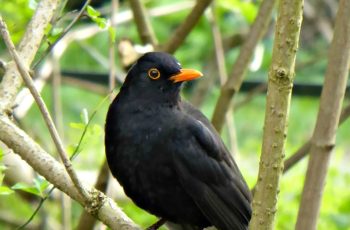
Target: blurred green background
(234, 17)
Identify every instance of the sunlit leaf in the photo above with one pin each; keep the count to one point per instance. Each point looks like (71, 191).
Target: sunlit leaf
(248, 9)
(75, 125)
(26, 188)
(101, 22)
(112, 33)
(48, 29)
(4, 190)
(95, 17)
(1, 154)
(41, 184)
(92, 12)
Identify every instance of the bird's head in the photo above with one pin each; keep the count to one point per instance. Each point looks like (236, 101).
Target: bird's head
(157, 75)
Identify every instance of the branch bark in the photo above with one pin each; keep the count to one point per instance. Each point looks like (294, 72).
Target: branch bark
(323, 139)
(43, 109)
(143, 23)
(220, 62)
(238, 70)
(186, 27)
(305, 148)
(280, 82)
(87, 221)
(27, 49)
(101, 206)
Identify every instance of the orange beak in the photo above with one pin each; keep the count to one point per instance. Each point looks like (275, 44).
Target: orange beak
(186, 75)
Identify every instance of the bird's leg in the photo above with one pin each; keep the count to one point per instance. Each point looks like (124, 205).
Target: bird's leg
(157, 225)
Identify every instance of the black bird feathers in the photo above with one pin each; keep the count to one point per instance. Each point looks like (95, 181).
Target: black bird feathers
(166, 154)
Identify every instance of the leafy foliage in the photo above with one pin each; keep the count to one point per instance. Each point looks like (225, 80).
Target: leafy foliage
(37, 188)
(234, 16)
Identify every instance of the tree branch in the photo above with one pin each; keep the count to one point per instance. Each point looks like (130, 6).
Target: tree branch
(27, 49)
(323, 139)
(143, 23)
(101, 206)
(186, 27)
(220, 62)
(41, 104)
(65, 31)
(280, 83)
(86, 221)
(235, 80)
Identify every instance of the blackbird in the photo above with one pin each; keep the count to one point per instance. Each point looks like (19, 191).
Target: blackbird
(167, 156)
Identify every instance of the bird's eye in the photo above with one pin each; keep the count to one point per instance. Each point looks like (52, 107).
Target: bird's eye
(153, 73)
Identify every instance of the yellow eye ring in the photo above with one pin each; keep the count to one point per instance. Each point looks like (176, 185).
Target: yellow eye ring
(153, 73)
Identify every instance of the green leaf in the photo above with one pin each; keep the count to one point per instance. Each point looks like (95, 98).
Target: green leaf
(1, 154)
(2, 175)
(53, 36)
(248, 9)
(75, 125)
(101, 22)
(56, 31)
(41, 184)
(26, 188)
(4, 190)
(95, 16)
(92, 12)
(95, 130)
(112, 31)
(48, 29)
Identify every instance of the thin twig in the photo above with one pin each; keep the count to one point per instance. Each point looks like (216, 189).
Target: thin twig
(86, 221)
(219, 47)
(103, 208)
(143, 23)
(250, 95)
(72, 157)
(65, 31)
(27, 49)
(220, 61)
(186, 27)
(235, 80)
(58, 121)
(41, 202)
(112, 68)
(305, 148)
(46, 115)
(157, 225)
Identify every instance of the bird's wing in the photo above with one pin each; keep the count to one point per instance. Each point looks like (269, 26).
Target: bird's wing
(210, 178)
(218, 150)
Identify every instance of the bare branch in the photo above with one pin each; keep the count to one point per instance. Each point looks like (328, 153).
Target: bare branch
(65, 31)
(186, 27)
(323, 139)
(41, 104)
(220, 61)
(280, 83)
(112, 68)
(143, 23)
(101, 206)
(86, 221)
(27, 49)
(238, 70)
(297, 156)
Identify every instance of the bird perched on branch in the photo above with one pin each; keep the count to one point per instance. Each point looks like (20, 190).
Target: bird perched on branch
(166, 154)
